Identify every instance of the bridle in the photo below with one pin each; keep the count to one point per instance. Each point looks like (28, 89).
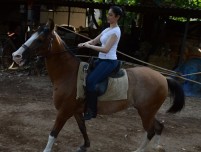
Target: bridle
(25, 47)
(50, 52)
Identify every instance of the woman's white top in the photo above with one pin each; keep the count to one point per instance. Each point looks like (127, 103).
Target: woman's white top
(105, 36)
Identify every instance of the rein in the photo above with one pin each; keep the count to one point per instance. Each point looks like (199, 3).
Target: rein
(50, 52)
(67, 49)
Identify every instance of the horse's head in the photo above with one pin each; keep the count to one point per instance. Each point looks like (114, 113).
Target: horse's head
(39, 42)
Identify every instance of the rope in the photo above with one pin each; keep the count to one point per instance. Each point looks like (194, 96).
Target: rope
(168, 73)
(147, 63)
(74, 32)
(181, 77)
(162, 72)
(191, 74)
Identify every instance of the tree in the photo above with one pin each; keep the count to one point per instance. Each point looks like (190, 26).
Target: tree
(178, 3)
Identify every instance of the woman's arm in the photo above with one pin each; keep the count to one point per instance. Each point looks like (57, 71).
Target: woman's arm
(110, 42)
(91, 42)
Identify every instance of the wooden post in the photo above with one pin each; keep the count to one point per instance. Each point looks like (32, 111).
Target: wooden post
(69, 10)
(181, 60)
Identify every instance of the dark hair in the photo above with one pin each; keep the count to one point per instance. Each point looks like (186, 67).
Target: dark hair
(117, 10)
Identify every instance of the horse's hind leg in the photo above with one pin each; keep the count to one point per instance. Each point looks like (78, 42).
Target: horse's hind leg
(158, 128)
(81, 123)
(154, 129)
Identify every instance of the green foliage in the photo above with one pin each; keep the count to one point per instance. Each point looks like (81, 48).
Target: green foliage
(188, 3)
(129, 2)
(178, 3)
(126, 21)
(183, 19)
(129, 16)
(119, 2)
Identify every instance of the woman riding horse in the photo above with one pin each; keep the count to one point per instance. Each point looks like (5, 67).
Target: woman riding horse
(147, 88)
(107, 59)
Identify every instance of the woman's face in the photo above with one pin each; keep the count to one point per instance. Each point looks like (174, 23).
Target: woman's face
(111, 18)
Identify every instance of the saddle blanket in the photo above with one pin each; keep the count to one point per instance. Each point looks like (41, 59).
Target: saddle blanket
(116, 90)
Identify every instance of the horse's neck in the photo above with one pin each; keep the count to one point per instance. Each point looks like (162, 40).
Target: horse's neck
(62, 66)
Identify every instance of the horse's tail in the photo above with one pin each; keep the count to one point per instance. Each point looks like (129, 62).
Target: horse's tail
(177, 92)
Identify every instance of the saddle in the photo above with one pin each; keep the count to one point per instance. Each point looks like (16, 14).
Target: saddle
(110, 89)
(102, 86)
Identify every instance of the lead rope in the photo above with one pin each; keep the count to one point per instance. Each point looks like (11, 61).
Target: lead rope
(164, 71)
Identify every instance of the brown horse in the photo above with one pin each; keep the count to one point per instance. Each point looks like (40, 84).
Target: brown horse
(147, 89)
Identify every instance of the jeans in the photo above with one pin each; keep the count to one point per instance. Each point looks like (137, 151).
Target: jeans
(103, 68)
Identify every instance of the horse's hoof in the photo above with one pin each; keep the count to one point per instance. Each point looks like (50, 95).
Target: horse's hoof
(82, 149)
(160, 148)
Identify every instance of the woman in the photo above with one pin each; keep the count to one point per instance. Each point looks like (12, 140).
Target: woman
(107, 59)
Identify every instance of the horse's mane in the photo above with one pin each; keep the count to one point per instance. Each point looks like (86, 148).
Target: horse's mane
(67, 49)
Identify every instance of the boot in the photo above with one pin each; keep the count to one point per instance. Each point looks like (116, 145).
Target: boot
(91, 105)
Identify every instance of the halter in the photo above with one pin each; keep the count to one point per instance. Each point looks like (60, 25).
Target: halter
(25, 47)
(50, 52)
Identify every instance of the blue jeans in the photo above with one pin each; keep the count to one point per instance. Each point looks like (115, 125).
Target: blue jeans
(103, 68)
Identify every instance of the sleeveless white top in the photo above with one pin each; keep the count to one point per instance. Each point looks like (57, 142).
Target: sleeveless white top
(105, 35)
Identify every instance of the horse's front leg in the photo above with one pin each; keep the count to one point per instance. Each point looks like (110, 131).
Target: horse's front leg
(61, 119)
(81, 123)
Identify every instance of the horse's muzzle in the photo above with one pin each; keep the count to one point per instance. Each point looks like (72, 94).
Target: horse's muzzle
(17, 58)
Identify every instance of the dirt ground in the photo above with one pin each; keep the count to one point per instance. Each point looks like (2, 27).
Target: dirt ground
(27, 115)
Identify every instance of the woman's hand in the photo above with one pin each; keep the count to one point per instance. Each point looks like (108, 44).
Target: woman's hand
(86, 45)
(81, 45)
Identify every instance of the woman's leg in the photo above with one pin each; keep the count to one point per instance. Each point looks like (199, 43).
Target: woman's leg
(101, 71)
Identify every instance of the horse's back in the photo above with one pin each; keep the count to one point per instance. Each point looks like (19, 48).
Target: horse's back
(146, 73)
(146, 84)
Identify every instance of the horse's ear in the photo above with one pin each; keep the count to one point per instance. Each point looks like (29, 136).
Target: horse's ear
(50, 24)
